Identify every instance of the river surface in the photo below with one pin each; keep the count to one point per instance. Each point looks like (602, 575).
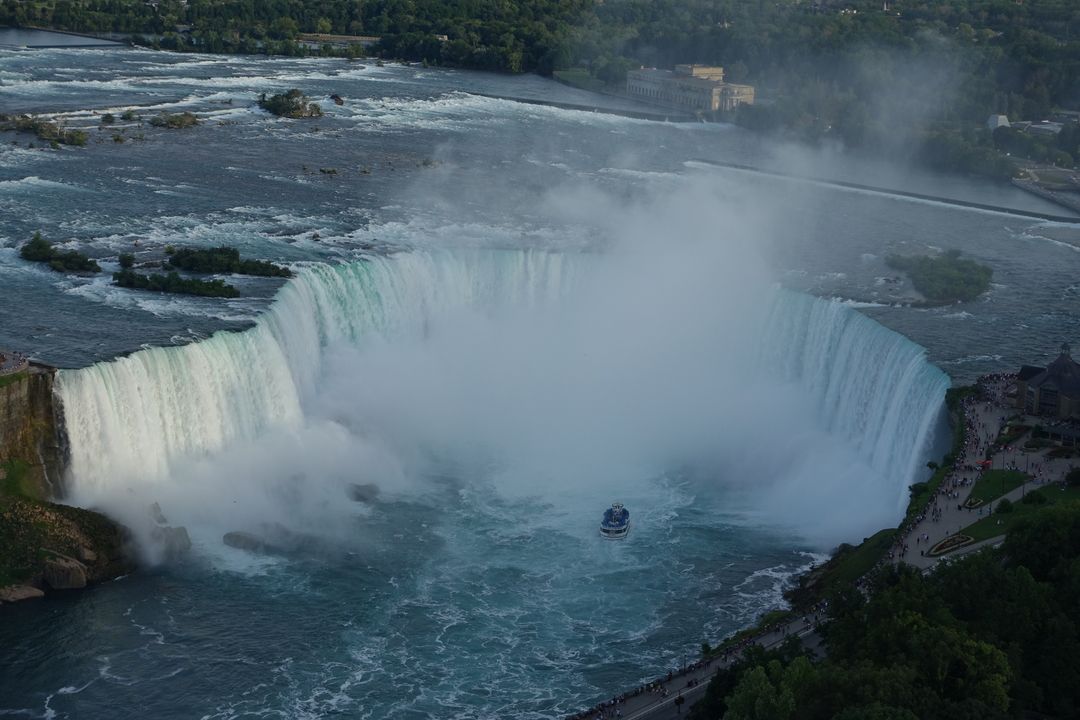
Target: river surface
(507, 316)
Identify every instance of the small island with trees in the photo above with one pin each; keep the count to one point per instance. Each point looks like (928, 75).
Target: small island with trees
(218, 260)
(944, 279)
(223, 259)
(42, 251)
(292, 104)
(173, 283)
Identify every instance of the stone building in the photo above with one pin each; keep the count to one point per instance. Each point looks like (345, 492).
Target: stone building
(700, 87)
(1052, 391)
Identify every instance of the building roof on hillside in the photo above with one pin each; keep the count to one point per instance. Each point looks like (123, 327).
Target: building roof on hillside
(1029, 371)
(654, 74)
(1063, 374)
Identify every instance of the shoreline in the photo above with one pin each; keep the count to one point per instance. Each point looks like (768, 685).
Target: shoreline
(898, 193)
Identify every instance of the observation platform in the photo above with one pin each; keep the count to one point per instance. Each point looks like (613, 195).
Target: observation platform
(12, 362)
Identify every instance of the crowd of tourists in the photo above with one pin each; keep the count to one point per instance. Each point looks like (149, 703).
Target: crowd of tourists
(12, 362)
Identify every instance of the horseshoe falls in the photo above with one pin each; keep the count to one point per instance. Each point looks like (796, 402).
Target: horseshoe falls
(508, 367)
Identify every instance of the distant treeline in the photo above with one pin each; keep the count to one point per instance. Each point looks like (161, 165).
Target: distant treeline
(944, 278)
(987, 636)
(916, 81)
(505, 36)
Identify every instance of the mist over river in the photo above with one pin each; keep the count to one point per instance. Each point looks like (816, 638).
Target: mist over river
(505, 315)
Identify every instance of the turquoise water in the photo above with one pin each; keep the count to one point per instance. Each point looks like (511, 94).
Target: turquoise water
(558, 311)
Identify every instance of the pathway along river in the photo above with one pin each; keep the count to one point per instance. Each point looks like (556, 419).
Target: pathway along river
(531, 312)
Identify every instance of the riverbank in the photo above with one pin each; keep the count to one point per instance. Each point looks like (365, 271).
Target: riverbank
(941, 508)
(898, 193)
(29, 37)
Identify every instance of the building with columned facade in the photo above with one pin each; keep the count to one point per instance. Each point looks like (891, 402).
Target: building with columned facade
(700, 87)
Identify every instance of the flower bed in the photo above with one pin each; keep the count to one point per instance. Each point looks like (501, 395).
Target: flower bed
(948, 544)
(972, 502)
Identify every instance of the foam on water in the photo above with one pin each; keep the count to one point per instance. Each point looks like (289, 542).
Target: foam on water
(132, 420)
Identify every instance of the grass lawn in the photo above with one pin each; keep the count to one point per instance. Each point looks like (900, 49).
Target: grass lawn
(1051, 178)
(857, 562)
(990, 487)
(580, 79)
(12, 379)
(988, 527)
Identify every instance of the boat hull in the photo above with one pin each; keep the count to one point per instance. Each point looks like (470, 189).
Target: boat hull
(615, 533)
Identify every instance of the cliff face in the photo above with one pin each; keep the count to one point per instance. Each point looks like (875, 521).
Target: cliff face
(45, 546)
(28, 428)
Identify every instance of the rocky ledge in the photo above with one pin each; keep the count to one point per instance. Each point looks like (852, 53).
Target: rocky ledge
(46, 547)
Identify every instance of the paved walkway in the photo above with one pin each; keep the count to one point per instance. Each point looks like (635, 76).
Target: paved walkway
(984, 423)
(692, 683)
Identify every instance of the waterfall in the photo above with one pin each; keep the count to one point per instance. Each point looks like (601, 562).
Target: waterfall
(131, 417)
(872, 385)
(128, 418)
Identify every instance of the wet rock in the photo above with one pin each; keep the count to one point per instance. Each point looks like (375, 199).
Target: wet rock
(278, 538)
(155, 513)
(363, 493)
(65, 574)
(337, 99)
(15, 593)
(245, 541)
(174, 541)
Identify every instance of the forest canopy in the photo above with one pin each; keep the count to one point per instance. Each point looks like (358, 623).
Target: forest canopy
(989, 635)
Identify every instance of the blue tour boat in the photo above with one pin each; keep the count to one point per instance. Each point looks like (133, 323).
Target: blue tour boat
(616, 523)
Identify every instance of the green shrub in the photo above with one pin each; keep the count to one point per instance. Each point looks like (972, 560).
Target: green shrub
(40, 250)
(1004, 506)
(128, 115)
(108, 118)
(174, 121)
(127, 260)
(1035, 497)
(76, 137)
(173, 283)
(292, 104)
(223, 259)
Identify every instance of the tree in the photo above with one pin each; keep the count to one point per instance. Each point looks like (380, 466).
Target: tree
(291, 104)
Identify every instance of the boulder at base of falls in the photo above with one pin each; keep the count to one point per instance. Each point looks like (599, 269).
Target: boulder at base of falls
(63, 573)
(245, 541)
(173, 541)
(363, 493)
(15, 593)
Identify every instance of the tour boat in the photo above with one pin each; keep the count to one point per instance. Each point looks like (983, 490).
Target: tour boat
(616, 523)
